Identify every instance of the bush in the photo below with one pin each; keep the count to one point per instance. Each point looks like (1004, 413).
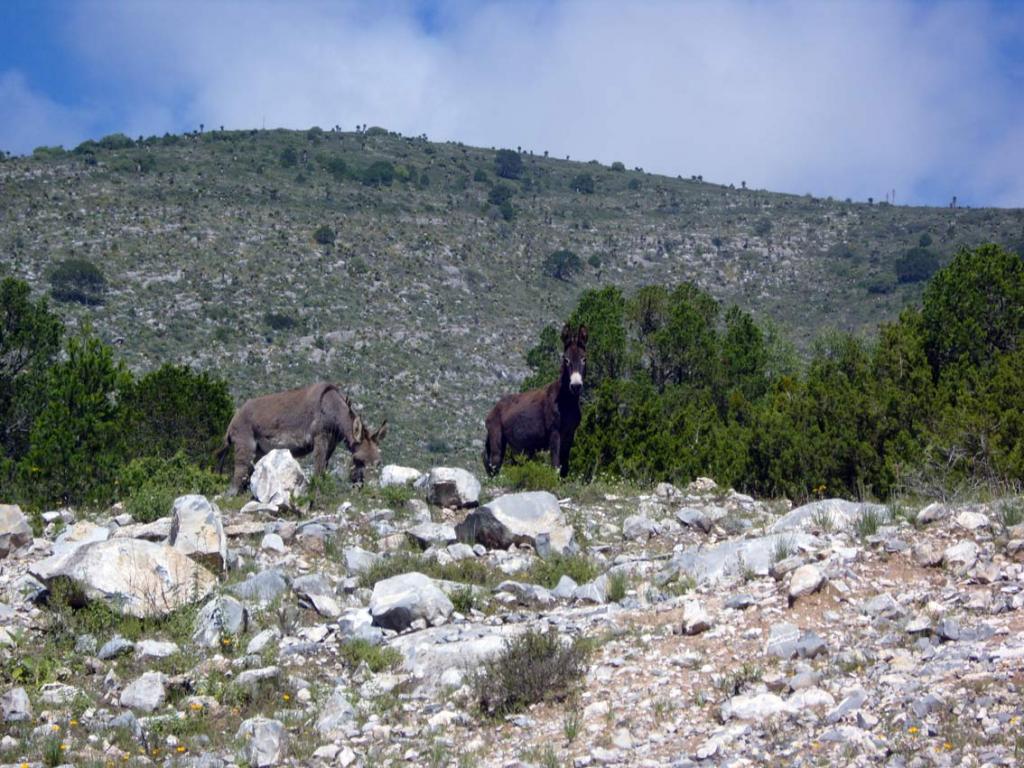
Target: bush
(499, 194)
(324, 235)
(149, 486)
(77, 280)
(916, 265)
(378, 174)
(549, 570)
(480, 176)
(533, 667)
(289, 157)
(175, 410)
(528, 475)
(29, 341)
(77, 439)
(378, 658)
(508, 164)
(583, 183)
(279, 321)
(116, 141)
(562, 264)
(618, 167)
(337, 167)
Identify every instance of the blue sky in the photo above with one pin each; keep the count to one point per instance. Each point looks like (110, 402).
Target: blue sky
(849, 99)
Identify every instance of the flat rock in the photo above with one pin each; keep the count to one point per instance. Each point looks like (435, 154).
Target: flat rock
(432, 534)
(756, 708)
(839, 512)
(134, 577)
(78, 535)
(694, 518)
(961, 557)
(534, 519)
(337, 716)
(932, 513)
(221, 619)
(155, 649)
(735, 557)
(639, 528)
(972, 521)
(263, 587)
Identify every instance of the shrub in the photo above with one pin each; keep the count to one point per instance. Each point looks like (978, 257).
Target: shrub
(324, 235)
(148, 486)
(619, 166)
(29, 341)
(175, 410)
(289, 157)
(583, 183)
(77, 439)
(337, 167)
(499, 194)
(916, 265)
(562, 264)
(279, 321)
(77, 280)
(547, 571)
(378, 658)
(508, 164)
(379, 174)
(116, 141)
(480, 176)
(533, 667)
(529, 475)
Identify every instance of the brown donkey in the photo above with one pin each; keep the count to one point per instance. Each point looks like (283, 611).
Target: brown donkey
(541, 419)
(306, 420)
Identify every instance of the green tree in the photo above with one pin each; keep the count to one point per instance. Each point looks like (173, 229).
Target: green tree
(30, 337)
(974, 309)
(77, 439)
(583, 183)
(499, 194)
(562, 264)
(77, 280)
(176, 410)
(508, 164)
(289, 157)
(380, 173)
(337, 167)
(324, 235)
(916, 265)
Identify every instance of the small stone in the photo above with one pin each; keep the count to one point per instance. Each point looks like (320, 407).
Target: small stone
(15, 706)
(927, 555)
(972, 521)
(265, 741)
(272, 542)
(145, 693)
(115, 646)
(932, 513)
(961, 557)
(695, 619)
(806, 580)
(155, 649)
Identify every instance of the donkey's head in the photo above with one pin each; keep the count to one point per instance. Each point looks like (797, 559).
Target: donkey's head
(574, 356)
(365, 448)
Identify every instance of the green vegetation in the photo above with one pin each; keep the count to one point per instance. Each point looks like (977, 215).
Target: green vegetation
(677, 389)
(533, 667)
(547, 571)
(80, 429)
(77, 280)
(562, 264)
(377, 658)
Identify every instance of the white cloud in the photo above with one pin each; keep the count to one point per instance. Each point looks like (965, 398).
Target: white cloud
(32, 120)
(848, 99)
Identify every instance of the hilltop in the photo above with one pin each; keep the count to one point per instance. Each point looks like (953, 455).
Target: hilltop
(413, 272)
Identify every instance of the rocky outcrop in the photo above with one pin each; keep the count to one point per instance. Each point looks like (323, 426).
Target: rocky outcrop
(533, 519)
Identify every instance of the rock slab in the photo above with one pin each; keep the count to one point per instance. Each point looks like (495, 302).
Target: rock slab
(519, 518)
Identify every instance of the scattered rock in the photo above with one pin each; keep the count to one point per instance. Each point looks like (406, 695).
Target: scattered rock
(432, 534)
(806, 580)
(15, 706)
(146, 694)
(265, 740)
(961, 557)
(220, 620)
(392, 474)
(695, 618)
(638, 527)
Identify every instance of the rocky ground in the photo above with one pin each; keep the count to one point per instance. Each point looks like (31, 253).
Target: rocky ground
(718, 629)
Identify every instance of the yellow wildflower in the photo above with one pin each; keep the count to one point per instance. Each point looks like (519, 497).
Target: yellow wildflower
(181, 749)
(947, 746)
(55, 728)
(912, 730)
(286, 697)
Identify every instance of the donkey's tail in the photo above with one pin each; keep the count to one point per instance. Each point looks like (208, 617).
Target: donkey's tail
(222, 454)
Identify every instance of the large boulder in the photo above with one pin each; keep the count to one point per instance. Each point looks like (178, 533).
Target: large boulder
(519, 518)
(392, 474)
(435, 655)
(132, 576)
(15, 532)
(277, 479)
(78, 535)
(197, 530)
(451, 487)
(399, 602)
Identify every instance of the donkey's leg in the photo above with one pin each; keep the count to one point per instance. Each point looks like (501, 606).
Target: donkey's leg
(494, 448)
(245, 453)
(555, 443)
(321, 453)
(566, 446)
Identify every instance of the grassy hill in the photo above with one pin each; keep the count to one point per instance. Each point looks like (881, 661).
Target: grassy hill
(383, 262)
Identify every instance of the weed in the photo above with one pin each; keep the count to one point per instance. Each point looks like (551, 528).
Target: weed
(466, 571)
(733, 683)
(572, 721)
(1011, 513)
(867, 523)
(54, 751)
(823, 521)
(783, 548)
(547, 571)
(533, 667)
(378, 658)
(528, 475)
(618, 583)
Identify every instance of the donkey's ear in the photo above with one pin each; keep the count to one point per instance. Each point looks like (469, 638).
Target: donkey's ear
(357, 430)
(581, 336)
(566, 335)
(382, 430)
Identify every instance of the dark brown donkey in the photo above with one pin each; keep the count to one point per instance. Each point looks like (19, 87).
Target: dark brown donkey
(541, 419)
(306, 420)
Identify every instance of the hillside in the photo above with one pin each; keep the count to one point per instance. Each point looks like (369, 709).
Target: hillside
(423, 297)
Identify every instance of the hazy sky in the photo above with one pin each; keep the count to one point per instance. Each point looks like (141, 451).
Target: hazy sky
(849, 99)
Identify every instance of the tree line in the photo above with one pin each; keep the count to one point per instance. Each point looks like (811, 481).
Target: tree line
(678, 386)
